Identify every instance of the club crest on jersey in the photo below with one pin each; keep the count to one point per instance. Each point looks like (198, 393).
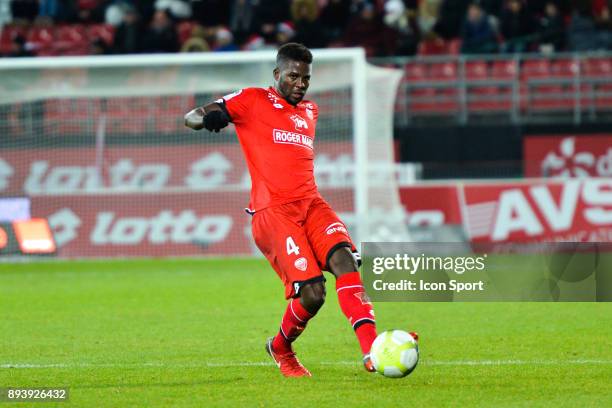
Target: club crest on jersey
(309, 113)
(299, 122)
(301, 264)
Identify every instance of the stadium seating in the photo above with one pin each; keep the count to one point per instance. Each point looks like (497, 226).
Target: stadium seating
(447, 85)
(597, 72)
(41, 37)
(504, 70)
(439, 47)
(437, 82)
(55, 40)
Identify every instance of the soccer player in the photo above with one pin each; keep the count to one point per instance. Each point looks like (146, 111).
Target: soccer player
(297, 231)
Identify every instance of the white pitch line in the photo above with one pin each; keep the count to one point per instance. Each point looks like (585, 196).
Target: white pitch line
(327, 363)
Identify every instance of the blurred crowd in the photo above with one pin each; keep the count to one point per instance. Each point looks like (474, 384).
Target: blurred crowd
(382, 27)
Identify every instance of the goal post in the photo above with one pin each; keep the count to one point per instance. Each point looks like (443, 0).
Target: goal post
(97, 144)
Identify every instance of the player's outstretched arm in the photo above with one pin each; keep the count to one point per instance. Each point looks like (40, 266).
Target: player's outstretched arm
(212, 117)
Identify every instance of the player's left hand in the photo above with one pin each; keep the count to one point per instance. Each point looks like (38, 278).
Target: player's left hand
(215, 120)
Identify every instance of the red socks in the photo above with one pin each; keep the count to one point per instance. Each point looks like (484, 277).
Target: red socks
(293, 324)
(356, 306)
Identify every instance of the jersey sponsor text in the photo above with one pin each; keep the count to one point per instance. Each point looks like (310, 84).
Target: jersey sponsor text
(286, 137)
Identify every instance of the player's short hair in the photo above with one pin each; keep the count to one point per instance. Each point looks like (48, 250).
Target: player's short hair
(293, 52)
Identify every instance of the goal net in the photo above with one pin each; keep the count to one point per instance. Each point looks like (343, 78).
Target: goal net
(98, 146)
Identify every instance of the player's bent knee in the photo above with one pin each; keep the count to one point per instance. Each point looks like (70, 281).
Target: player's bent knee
(342, 261)
(313, 296)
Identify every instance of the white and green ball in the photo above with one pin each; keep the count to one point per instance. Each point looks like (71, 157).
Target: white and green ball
(394, 353)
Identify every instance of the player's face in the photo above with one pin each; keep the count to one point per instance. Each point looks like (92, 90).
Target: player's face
(292, 80)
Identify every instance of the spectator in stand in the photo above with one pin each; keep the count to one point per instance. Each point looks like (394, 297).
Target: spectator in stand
(99, 47)
(403, 28)
(24, 9)
(365, 29)
(428, 16)
(211, 13)
(603, 22)
(516, 27)
(115, 12)
(334, 18)
(128, 36)
(242, 19)
(582, 34)
(478, 36)
(493, 8)
(90, 10)
(267, 15)
(284, 33)
(551, 29)
(451, 17)
(20, 48)
(197, 41)
(145, 8)
(308, 30)
(178, 9)
(267, 32)
(536, 8)
(272, 11)
(225, 41)
(58, 10)
(161, 35)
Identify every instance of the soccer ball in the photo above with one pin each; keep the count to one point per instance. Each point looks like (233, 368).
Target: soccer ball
(394, 353)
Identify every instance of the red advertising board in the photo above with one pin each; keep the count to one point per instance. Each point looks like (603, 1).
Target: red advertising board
(213, 222)
(151, 200)
(568, 156)
(146, 224)
(204, 167)
(574, 210)
(431, 205)
(189, 200)
(153, 224)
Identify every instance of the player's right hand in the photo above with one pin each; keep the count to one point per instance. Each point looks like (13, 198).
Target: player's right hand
(215, 120)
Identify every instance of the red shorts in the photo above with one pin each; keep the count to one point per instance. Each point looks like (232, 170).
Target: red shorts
(298, 238)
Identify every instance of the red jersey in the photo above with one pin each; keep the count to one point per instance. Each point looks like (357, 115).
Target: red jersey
(277, 140)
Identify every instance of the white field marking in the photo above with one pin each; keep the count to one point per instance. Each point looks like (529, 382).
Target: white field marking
(230, 364)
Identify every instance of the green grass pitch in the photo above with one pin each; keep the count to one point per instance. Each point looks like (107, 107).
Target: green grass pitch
(191, 333)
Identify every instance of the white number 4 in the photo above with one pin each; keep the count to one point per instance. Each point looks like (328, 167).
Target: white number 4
(291, 247)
